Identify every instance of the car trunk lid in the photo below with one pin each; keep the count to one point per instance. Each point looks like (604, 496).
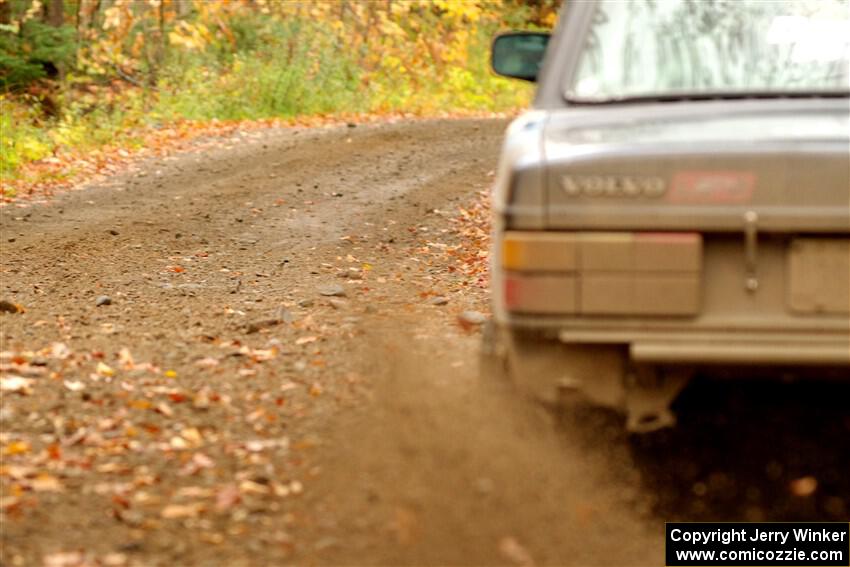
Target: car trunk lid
(701, 167)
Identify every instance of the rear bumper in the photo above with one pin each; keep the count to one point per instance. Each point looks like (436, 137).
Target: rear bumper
(723, 348)
(680, 344)
(738, 353)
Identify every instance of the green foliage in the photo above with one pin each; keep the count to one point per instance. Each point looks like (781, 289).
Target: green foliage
(30, 54)
(21, 139)
(272, 72)
(138, 64)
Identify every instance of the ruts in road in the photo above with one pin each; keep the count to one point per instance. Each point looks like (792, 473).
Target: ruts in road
(255, 353)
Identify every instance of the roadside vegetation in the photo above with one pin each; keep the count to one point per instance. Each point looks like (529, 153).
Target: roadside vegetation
(83, 79)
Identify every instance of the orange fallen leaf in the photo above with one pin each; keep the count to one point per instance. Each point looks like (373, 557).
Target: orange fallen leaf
(54, 451)
(804, 486)
(140, 404)
(9, 503)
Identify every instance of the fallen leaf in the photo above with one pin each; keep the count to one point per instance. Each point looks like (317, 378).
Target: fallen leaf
(104, 369)
(251, 487)
(227, 498)
(261, 355)
(60, 351)
(46, 483)
(804, 486)
(512, 550)
(164, 409)
(192, 435)
(181, 511)
(64, 559)
(74, 385)
(17, 384)
(199, 461)
(114, 559)
(9, 503)
(9, 307)
(16, 448)
(203, 461)
(112, 468)
(140, 404)
(193, 492)
(126, 359)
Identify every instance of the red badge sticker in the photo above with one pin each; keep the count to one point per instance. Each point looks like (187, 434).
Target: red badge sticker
(712, 187)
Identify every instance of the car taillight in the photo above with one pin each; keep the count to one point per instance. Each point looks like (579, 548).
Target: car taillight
(595, 273)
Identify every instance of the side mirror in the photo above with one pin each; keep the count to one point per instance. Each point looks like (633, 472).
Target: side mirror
(519, 54)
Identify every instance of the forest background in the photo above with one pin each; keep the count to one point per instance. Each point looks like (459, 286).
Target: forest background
(83, 79)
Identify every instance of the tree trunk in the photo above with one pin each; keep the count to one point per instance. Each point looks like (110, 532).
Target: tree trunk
(5, 13)
(55, 13)
(94, 13)
(162, 29)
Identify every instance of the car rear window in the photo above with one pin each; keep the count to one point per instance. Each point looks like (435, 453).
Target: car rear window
(645, 48)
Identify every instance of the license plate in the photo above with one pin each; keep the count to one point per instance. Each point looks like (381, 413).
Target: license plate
(819, 275)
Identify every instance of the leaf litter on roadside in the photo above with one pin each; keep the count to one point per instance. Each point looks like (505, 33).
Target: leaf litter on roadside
(163, 443)
(152, 399)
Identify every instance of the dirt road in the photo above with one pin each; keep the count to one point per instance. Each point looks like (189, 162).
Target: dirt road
(249, 354)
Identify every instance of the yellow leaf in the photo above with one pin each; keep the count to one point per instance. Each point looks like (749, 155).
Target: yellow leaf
(46, 483)
(16, 448)
(192, 435)
(105, 370)
(125, 358)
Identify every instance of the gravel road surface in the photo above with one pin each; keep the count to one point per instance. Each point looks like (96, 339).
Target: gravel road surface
(249, 354)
